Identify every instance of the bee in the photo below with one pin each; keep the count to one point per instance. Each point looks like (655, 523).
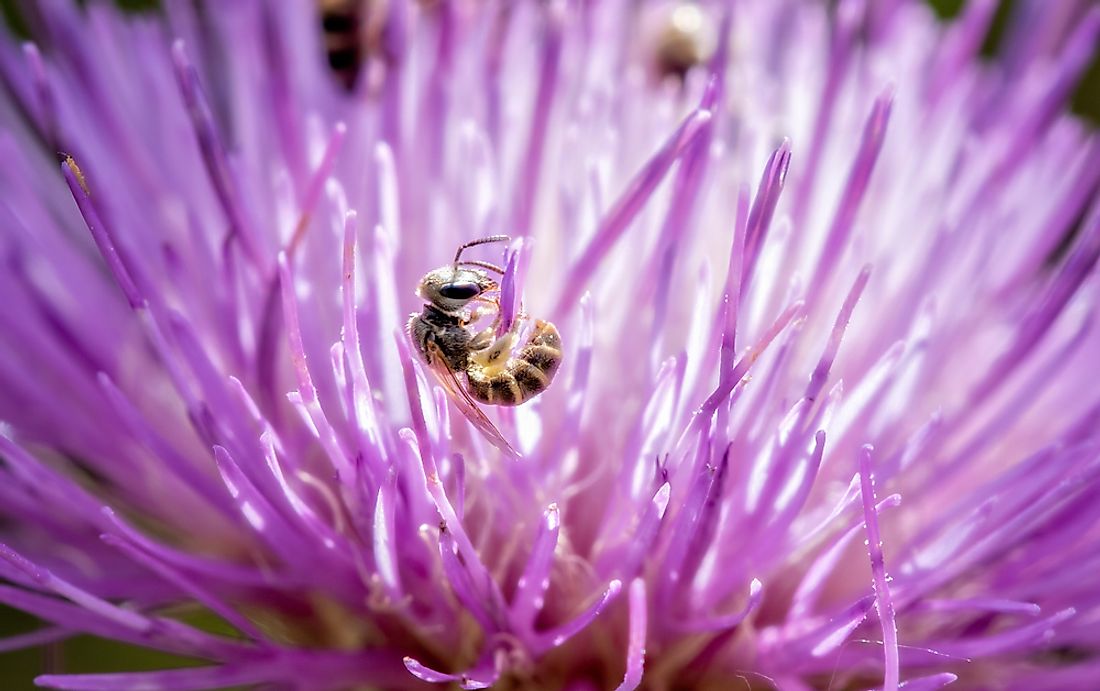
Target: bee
(340, 24)
(479, 367)
(685, 38)
(353, 33)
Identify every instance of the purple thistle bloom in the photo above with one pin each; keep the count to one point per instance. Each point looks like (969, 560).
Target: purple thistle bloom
(825, 417)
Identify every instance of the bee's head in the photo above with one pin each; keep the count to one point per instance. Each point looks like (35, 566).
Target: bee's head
(450, 288)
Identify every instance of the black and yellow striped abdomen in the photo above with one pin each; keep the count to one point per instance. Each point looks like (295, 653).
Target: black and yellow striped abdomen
(525, 376)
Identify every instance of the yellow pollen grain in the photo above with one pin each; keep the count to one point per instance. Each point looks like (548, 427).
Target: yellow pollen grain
(80, 179)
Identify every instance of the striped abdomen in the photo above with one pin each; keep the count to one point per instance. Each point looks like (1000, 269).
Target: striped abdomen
(341, 26)
(523, 377)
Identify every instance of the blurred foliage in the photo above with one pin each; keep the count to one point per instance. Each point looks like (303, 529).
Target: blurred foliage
(85, 654)
(13, 18)
(138, 5)
(16, 12)
(82, 654)
(947, 9)
(1001, 17)
(1085, 101)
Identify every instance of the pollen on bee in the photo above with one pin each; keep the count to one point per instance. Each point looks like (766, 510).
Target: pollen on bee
(80, 179)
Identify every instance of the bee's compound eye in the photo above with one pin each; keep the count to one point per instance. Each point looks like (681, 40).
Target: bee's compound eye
(461, 290)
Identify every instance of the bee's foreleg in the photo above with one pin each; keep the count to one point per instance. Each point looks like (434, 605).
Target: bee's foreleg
(480, 311)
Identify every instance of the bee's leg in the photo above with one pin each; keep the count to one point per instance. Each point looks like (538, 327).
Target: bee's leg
(472, 316)
(489, 307)
(484, 338)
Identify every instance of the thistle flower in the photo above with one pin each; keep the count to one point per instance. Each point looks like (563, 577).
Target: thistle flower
(825, 417)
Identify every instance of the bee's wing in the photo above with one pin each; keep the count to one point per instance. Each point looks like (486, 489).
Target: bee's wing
(466, 404)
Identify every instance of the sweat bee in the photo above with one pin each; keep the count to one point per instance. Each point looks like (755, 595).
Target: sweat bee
(684, 36)
(353, 35)
(477, 366)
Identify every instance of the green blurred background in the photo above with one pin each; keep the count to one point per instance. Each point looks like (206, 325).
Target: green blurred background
(1085, 101)
(87, 654)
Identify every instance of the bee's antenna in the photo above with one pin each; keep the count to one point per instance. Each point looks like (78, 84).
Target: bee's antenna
(480, 241)
(484, 265)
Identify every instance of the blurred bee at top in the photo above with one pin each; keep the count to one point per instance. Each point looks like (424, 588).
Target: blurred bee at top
(480, 367)
(354, 37)
(680, 37)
